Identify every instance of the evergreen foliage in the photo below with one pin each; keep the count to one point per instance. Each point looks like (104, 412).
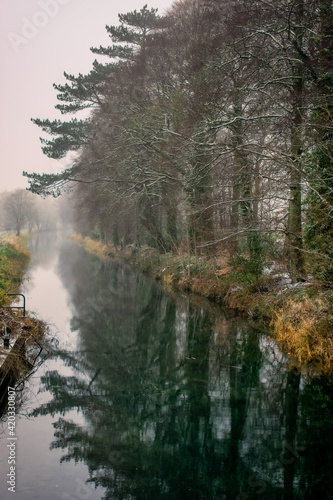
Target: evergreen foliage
(70, 136)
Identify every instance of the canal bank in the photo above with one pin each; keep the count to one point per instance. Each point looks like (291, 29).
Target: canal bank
(20, 334)
(14, 259)
(298, 315)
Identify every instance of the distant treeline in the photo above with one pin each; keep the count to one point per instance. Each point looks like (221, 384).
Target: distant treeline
(22, 210)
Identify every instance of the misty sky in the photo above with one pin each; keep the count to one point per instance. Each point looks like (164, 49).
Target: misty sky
(40, 39)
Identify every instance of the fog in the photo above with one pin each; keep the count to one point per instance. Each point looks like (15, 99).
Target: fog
(40, 39)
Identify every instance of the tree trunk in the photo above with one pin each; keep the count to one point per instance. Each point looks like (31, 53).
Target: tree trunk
(201, 228)
(242, 206)
(295, 241)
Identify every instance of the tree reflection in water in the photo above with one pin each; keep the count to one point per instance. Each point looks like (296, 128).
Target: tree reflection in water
(179, 402)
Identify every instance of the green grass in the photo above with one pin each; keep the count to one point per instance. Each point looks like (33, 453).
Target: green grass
(14, 258)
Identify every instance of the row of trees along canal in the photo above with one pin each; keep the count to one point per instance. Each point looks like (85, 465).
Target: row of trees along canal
(209, 128)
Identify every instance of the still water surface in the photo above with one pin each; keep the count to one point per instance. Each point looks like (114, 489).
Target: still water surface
(155, 396)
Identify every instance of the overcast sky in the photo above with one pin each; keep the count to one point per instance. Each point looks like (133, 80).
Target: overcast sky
(40, 39)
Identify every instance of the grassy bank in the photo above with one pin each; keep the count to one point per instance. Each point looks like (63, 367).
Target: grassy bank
(300, 315)
(14, 258)
(94, 247)
(25, 332)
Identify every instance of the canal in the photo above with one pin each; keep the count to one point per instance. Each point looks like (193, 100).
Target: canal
(152, 395)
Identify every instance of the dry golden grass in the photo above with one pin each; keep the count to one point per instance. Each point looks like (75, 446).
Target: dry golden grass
(304, 329)
(168, 279)
(205, 285)
(92, 246)
(17, 243)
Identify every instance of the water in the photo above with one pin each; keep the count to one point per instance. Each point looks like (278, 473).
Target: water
(154, 396)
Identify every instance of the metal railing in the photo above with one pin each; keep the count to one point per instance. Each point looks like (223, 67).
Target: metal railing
(16, 307)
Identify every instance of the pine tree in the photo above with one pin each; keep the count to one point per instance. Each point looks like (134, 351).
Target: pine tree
(86, 92)
(70, 136)
(83, 91)
(130, 38)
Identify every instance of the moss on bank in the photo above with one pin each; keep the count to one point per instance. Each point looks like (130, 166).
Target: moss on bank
(300, 315)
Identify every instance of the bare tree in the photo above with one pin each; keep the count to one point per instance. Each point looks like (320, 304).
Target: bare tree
(19, 207)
